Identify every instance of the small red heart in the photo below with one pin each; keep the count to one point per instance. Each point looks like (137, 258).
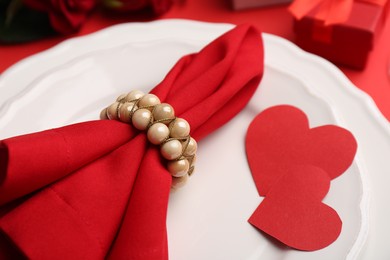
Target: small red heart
(293, 212)
(280, 137)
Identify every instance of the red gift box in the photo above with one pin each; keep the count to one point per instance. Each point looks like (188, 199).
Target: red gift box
(348, 43)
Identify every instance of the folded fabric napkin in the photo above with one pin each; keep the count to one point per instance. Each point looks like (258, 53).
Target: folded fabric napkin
(98, 189)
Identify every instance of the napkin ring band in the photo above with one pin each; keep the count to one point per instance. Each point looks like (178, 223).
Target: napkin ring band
(145, 112)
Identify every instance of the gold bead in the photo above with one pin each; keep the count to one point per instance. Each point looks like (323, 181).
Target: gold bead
(121, 97)
(112, 111)
(141, 118)
(171, 149)
(134, 94)
(149, 100)
(103, 114)
(125, 111)
(179, 128)
(178, 182)
(178, 168)
(193, 160)
(163, 111)
(191, 147)
(157, 133)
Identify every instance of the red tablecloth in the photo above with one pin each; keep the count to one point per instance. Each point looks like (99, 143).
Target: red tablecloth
(374, 80)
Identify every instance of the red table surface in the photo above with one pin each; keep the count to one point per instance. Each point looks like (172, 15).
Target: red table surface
(374, 80)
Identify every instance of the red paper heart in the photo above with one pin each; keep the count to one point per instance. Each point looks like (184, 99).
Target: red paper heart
(293, 212)
(280, 137)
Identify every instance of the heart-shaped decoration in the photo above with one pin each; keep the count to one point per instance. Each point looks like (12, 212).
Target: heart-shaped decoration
(293, 212)
(280, 137)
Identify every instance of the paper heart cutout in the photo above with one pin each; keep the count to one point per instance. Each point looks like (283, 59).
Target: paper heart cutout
(293, 212)
(280, 137)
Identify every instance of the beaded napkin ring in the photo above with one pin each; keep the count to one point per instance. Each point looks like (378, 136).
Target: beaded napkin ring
(146, 112)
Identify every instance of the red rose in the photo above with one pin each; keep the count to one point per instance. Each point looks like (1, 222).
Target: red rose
(158, 6)
(66, 16)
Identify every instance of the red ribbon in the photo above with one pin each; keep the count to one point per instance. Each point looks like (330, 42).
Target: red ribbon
(329, 11)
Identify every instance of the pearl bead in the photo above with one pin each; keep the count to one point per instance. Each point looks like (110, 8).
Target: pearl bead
(179, 128)
(134, 94)
(141, 118)
(125, 110)
(103, 114)
(191, 147)
(163, 111)
(179, 182)
(112, 112)
(178, 168)
(193, 161)
(157, 133)
(171, 150)
(192, 164)
(149, 100)
(121, 97)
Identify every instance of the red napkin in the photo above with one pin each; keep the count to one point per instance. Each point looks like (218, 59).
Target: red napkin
(98, 189)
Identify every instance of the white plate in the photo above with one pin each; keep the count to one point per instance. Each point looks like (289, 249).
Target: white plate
(208, 218)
